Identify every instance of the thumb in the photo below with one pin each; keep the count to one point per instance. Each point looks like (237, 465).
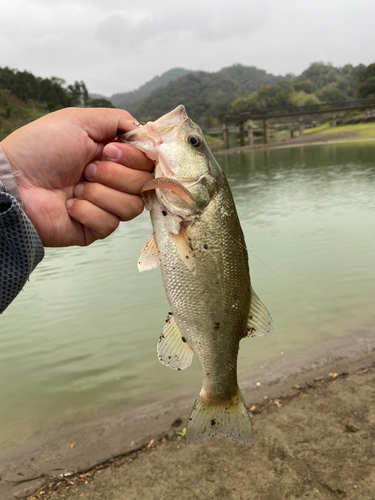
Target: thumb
(104, 124)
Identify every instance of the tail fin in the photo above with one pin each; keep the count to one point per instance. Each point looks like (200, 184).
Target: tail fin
(230, 419)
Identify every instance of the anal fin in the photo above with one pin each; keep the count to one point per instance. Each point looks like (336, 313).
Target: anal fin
(173, 350)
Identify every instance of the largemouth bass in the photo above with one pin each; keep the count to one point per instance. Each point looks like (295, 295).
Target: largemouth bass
(199, 244)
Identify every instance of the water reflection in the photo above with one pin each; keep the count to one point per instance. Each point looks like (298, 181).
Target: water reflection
(82, 335)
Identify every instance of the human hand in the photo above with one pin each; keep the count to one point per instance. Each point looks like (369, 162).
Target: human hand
(57, 154)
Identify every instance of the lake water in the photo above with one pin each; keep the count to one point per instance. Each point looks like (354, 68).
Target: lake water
(81, 338)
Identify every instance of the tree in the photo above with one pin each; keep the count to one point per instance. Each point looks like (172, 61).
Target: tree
(98, 103)
(332, 93)
(367, 78)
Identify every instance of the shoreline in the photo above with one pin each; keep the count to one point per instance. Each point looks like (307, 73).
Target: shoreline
(121, 430)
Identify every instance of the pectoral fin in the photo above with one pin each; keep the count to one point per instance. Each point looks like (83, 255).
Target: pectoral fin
(181, 241)
(173, 351)
(149, 258)
(259, 322)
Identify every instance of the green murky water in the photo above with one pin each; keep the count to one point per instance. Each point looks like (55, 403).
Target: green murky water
(81, 337)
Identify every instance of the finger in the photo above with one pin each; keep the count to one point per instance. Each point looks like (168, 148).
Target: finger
(127, 154)
(124, 205)
(117, 176)
(99, 221)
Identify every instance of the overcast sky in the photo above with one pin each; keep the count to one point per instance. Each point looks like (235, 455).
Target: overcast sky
(116, 46)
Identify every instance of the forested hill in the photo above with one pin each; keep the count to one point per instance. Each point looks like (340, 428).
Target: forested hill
(319, 83)
(53, 93)
(204, 94)
(25, 97)
(127, 100)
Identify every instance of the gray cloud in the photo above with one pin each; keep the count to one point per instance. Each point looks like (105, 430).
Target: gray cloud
(117, 46)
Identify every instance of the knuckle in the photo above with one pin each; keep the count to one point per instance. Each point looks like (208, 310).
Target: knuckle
(91, 191)
(110, 226)
(134, 209)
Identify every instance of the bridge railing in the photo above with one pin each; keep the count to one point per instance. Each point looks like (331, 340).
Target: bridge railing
(329, 107)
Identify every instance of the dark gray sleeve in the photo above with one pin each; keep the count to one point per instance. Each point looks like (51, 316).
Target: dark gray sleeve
(20, 246)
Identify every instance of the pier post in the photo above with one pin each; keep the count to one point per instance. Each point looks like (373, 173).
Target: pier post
(265, 131)
(226, 135)
(250, 132)
(300, 126)
(242, 135)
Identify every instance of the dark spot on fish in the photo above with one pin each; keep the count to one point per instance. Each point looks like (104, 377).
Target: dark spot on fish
(164, 213)
(170, 314)
(169, 357)
(217, 326)
(179, 369)
(251, 316)
(218, 282)
(187, 256)
(235, 296)
(251, 329)
(183, 339)
(213, 421)
(208, 374)
(205, 246)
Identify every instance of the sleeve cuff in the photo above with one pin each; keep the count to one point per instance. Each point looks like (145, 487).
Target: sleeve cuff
(7, 178)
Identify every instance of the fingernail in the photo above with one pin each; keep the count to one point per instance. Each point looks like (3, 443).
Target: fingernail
(69, 203)
(78, 190)
(90, 171)
(111, 152)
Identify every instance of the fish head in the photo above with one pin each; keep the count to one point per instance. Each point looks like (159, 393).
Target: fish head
(180, 152)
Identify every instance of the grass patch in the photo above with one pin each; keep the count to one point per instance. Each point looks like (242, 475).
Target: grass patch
(211, 138)
(363, 129)
(14, 113)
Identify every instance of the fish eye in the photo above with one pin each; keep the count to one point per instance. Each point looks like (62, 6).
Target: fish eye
(194, 141)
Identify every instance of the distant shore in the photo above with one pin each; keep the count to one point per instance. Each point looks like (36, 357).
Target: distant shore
(314, 417)
(323, 134)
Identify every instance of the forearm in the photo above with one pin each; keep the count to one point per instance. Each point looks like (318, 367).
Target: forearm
(20, 246)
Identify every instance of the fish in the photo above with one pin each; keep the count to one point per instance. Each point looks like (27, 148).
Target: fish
(198, 242)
